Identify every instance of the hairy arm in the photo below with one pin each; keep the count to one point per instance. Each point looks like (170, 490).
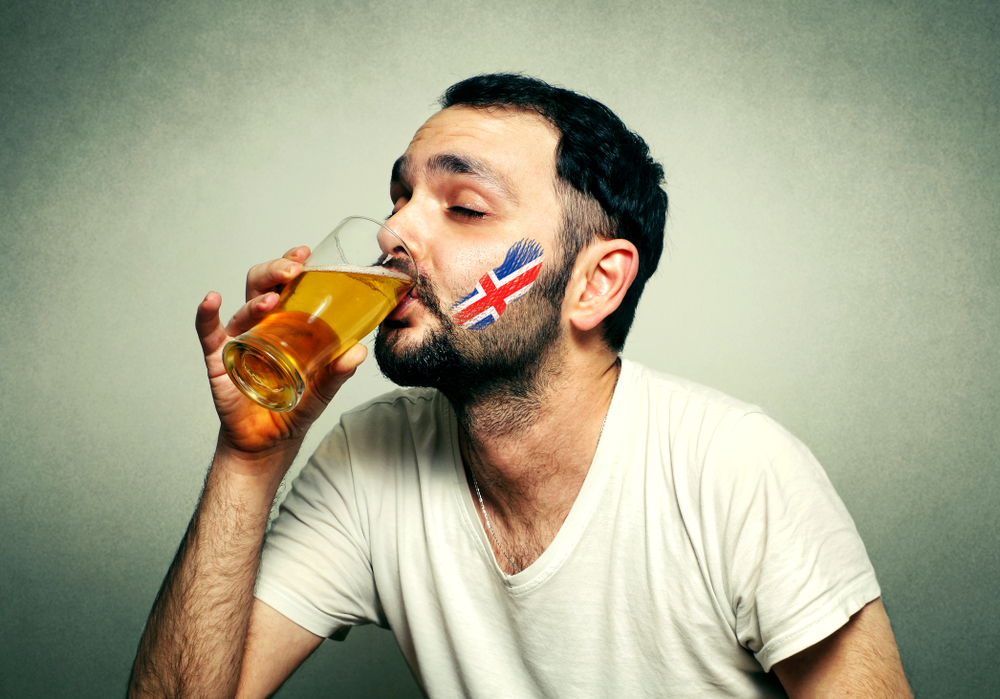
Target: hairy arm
(206, 628)
(858, 660)
(196, 634)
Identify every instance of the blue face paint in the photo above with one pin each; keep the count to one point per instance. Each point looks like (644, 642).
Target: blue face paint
(500, 286)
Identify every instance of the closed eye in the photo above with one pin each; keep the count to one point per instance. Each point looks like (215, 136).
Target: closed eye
(467, 213)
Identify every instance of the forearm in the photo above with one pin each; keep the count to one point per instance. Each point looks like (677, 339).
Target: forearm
(194, 640)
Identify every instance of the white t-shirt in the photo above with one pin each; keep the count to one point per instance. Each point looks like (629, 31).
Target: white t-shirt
(705, 545)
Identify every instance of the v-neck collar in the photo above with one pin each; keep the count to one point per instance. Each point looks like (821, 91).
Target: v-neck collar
(580, 514)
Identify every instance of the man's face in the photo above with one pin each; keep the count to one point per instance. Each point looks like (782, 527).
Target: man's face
(474, 194)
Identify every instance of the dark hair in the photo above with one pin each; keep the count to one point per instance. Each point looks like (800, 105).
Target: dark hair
(599, 157)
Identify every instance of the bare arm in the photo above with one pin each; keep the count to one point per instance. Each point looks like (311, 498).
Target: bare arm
(205, 618)
(858, 660)
(197, 631)
(275, 647)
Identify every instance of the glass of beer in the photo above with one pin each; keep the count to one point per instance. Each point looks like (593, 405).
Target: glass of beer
(348, 285)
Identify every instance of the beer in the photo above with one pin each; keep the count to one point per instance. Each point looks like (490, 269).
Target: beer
(321, 314)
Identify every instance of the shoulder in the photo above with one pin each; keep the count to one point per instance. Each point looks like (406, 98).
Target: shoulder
(707, 438)
(400, 427)
(657, 386)
(398, 399)
(686, 414)
(416, 407)
(382, 422)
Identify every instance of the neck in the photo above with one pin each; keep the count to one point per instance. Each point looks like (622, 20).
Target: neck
(499, 404)
(531, 448)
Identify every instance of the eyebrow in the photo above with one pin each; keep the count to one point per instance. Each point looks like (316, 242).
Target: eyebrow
(449, 163)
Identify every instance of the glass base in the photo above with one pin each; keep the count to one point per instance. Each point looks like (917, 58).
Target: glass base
(261, 372)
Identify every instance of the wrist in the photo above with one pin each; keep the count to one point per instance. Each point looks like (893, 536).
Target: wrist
(262, 469)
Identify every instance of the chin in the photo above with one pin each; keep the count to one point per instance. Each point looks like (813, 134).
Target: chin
(409, 356)
(401, 335)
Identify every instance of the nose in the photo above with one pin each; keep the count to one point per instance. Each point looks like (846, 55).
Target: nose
(407, 225)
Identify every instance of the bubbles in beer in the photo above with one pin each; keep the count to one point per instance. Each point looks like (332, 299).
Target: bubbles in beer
(357, 269)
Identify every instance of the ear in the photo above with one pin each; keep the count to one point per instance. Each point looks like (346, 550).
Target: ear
(602, 274)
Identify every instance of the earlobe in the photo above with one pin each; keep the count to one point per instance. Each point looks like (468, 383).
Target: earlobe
(604, 272)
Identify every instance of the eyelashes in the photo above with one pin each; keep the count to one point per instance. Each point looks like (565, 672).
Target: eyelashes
(465, 213)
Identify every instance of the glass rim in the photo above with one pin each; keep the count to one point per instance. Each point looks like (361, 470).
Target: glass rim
(415, 272)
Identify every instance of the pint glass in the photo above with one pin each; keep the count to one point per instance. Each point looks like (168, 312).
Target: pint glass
(348, 285)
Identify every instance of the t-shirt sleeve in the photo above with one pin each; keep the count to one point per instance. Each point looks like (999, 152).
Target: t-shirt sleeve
(316, 567)
(793, 565)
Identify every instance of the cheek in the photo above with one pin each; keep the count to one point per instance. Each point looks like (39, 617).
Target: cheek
(491, 290)
(463, 270)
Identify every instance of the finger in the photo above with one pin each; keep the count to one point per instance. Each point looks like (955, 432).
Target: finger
(211, 334)
(298, 254)
(329, 381)
(270, 276)
(348, 362)
(251, 313)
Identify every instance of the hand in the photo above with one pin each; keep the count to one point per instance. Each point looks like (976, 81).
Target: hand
(245, 426)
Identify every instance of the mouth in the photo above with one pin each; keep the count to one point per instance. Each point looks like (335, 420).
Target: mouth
(396, 318)
(422, 301)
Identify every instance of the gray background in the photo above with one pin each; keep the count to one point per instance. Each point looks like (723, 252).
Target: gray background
(834, 257)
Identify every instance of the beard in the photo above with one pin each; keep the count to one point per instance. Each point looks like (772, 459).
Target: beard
(505, 364)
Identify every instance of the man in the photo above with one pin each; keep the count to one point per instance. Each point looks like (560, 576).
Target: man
(545, 519)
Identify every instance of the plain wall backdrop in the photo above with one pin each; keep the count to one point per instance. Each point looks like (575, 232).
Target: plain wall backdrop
(834, 175)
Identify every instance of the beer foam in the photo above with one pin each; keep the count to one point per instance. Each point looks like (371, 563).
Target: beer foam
(356, 269)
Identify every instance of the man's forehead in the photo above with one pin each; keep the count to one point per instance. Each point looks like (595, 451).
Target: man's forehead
(466, 140)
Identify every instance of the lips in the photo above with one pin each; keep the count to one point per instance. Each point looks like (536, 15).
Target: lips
(404, 304)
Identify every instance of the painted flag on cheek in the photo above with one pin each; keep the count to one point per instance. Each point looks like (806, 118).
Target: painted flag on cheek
(501, 286)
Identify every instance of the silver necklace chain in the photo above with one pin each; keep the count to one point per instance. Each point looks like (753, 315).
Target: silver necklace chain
(479, 494)
(489, 526)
